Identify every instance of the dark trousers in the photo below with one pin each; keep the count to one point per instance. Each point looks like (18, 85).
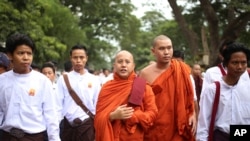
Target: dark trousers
(1, 135)
(83, 132)
(27, 137)
(220, 136)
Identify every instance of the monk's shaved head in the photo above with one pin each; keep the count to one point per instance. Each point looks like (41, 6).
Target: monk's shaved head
(124, 64)
(124, 52)
(160, 37)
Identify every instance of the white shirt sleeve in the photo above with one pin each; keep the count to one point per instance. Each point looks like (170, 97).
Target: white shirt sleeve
(206, 104)
(50, 112)
(206, 81)
(60, 93)
(96, 94)
(58, 100)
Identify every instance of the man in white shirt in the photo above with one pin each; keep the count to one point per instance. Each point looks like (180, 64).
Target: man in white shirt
(27, 104)
(78, 125)
(104, 76)
(233, 107)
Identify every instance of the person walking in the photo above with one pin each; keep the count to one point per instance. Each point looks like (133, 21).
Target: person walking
(27, 104)
(231, 94)
(170, 81)
(78, 91)
(126, 105)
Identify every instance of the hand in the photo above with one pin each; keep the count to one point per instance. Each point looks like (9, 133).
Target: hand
(192, 122)
(121, 112)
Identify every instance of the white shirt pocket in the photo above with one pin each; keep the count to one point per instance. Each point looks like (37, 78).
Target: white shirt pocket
(245, 110)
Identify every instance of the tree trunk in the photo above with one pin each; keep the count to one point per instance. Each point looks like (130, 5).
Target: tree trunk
(206, 53)
(237, 21)
(213, 29)
(190, 35)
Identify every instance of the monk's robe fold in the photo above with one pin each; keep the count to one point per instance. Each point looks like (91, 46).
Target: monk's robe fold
(113, 94)
(174, 99)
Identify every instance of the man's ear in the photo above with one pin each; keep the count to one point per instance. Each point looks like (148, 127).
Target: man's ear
(153, 50)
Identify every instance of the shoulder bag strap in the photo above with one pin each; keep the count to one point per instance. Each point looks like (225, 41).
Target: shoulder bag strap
(75, 97)
(214, 111)
(223, 72)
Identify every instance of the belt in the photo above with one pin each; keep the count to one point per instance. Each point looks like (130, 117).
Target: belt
(19, 133)
(77, 122)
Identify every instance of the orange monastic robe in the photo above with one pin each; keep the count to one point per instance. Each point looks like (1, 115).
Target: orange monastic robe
(113, 94)
(174, 99)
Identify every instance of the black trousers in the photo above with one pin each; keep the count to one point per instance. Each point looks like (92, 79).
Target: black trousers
(220, 136)
(27, 137)
(83, 132)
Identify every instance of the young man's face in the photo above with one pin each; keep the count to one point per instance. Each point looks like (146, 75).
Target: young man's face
(48, 71)
(22, 58)
(237, 64)
(163, 50)
(78, 59)
(196, 70)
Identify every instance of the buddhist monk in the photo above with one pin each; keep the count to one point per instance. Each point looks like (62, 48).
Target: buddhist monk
(170, 81)
(117, 117)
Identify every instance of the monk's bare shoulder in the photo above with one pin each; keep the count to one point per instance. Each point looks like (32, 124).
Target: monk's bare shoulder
(148, 73)
(145, 70)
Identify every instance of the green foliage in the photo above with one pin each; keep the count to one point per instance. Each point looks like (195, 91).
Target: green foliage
(107, 26)
(51, 25)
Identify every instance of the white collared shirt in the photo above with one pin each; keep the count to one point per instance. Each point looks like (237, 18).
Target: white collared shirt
(27, 102)
(234, 107)
(212, 74)
(87, 87)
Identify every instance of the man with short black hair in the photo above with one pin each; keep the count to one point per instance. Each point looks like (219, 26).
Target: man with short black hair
(232, 91)
(78, 121)
(27, 104)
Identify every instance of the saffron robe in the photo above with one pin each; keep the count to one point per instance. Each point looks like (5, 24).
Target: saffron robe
(175, 101)
(113, 94)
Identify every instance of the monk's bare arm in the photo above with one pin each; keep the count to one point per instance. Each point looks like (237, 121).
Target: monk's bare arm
(143, 74)
(147, 74)
(193, 122)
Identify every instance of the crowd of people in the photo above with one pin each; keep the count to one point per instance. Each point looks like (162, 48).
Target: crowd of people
(168, 100)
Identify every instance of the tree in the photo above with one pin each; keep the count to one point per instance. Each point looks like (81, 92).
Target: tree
(224, 20)
(51, 25)
(108, 25)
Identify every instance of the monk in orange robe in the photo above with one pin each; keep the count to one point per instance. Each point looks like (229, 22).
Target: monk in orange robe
(170, 81)
(116, 119)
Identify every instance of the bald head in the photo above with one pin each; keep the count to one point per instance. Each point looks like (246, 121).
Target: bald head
(196, 70)
(160, 37)
(124, 53)
(124, 64)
